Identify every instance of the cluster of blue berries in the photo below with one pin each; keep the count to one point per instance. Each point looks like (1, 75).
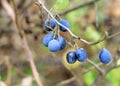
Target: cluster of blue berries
(56, 43)
(50, 24)
(81, 55)
(50, 40)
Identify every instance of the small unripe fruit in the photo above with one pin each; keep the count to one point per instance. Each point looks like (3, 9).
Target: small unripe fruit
(47, 38)
(50, 24)
(81, 54)
(71, 57)
(54, 45)
(105, 56)
(62, 42)
(65, 23)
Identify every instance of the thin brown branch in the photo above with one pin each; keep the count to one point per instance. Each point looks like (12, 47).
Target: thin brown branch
(15, 10)
(62, 83)
(96, 11)
(8, 79)
(16, 23)
(114, 35)
(26, 48)
(27, 6)
(8, 8)
(96, 66)
(31, 61)
(87, 3)
(66, 81)
(90, 69)
(106, 37)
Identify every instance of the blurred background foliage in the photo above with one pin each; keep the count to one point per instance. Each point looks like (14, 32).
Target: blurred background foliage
(53, 66)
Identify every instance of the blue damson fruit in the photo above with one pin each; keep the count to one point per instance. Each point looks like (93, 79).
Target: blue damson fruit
(54, 45)
(105, 56)
(65, 23)
(62, 42)
(50, 24)
(47, 38)
(71, 57)
(81, 54)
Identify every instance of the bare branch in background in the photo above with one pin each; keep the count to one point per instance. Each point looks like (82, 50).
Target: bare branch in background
(9, 9)
(87, 3)
(28, 52)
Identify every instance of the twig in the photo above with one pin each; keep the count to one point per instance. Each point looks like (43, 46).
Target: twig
(74, 74)
(62, 83)
(91, 68)
(26, 47)
(27, 6)
(31, 61)
(66, 81)
(116, 34)
(78, 6)
(71, 33)
(8, 8)
(7, 62)
(101, 77)
(96, 10)
(96, 66)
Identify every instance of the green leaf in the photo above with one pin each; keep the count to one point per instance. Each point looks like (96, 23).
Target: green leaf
(73, 16)
(89, 78)
(92, 34)
(113, 77)
(61, 4)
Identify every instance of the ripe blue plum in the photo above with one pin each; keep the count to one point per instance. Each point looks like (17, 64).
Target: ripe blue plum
(54, 45)
(81, 54)
(50, 24)
(71, 57)
(47, 38)
(65, 23)
(105, 56)
(62, 42)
